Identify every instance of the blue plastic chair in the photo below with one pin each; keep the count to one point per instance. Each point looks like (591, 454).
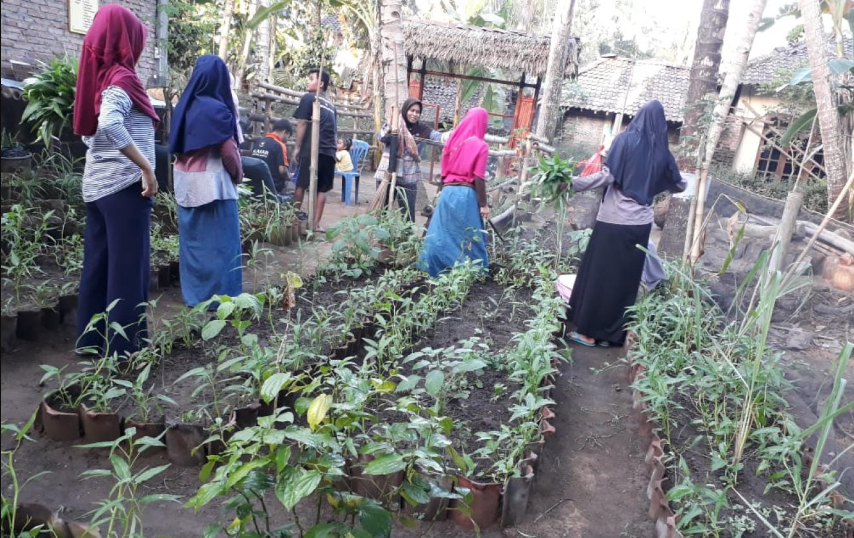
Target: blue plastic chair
(358, 152)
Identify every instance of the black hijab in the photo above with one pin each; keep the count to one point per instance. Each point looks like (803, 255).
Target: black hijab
(639, 158)
(419, 129)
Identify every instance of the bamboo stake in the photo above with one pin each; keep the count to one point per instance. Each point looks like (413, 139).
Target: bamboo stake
(395, 129)
(315, 148)
(794, 200)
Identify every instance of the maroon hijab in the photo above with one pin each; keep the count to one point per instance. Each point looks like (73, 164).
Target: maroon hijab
(111, 49)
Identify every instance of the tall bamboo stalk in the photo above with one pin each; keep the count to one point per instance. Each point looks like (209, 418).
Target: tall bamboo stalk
(315, 147)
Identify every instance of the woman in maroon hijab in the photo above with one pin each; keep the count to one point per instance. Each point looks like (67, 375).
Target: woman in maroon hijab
(116, 120)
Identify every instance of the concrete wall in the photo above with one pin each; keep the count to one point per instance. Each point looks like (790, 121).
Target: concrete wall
(749, 144)
(34, 30)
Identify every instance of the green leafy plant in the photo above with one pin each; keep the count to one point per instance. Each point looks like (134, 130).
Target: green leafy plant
(23, 232)
(9, 518)
(121, 515)
(50, 98)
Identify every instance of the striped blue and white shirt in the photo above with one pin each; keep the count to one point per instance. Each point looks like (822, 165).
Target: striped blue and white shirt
(119, 124)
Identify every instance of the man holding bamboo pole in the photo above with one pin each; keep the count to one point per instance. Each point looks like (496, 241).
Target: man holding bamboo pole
(327, 136)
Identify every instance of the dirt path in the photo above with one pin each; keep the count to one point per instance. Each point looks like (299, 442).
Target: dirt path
(592, 480)
(592, 477)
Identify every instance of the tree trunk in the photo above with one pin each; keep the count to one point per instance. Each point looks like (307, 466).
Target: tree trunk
(828, 116)
(730, 85)
(846, 120)
(262, 51)
(225, 26)
(558, 56)
(395, 86)
(271, 58)
(704, 76)
(247, 44)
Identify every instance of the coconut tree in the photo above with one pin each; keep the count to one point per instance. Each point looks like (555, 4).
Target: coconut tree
(558, 56)
(829, 120)
(704, 75)
(224, 27)
(248, 34)
(735, 70)
(264, 37)
(393, 55)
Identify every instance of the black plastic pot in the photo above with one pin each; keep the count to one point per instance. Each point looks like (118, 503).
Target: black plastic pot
(51, 318)
(154, 280)
(164, 275)
(8, 330)
(67, 307)
(29, 325)
(175, 271)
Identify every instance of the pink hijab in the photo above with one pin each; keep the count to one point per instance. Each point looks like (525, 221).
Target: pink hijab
(466, 153)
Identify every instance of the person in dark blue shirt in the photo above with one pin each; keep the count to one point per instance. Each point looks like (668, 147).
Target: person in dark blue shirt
(328, 143)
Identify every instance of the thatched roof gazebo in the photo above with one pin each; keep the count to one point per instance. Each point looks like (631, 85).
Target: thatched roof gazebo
(475, 46)
(488, 48)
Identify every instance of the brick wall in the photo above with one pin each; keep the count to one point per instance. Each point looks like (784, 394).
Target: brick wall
(580, 132)
(35, 30)
(728, 144)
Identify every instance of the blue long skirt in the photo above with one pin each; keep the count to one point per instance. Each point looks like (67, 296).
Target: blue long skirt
(210, 251)
(456, 232)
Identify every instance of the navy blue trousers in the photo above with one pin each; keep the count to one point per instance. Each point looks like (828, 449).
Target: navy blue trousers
(116, 267)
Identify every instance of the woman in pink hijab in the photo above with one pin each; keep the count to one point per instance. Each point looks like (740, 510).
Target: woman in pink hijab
(457, 228)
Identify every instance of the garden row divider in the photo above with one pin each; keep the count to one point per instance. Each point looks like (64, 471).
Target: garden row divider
(659, 508)
(91, 427)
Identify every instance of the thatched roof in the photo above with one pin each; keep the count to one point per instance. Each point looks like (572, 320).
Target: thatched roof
(607, 83)
(482, 47)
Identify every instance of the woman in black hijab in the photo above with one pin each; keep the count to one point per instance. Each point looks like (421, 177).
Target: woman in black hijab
(638, 167)
(409, 161)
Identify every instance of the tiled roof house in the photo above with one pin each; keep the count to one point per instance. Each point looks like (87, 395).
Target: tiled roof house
(612, 86)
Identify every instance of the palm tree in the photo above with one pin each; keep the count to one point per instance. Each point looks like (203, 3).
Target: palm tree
(558, 56)
(248, 34)
(704, 75)
(731, 81)
(395, 85)
(828, 116)
(262, 73)
(225, 26)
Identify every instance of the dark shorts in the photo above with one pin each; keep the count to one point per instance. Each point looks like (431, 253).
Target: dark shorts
(325, 173)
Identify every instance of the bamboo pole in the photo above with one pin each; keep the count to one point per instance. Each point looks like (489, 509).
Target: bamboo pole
(794, 200)
(298, 94)
(523, 174)
(315, 148)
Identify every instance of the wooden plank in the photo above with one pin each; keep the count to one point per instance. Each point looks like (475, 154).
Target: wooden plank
(478, 79)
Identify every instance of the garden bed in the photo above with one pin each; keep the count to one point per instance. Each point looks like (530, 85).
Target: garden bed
(712, 471)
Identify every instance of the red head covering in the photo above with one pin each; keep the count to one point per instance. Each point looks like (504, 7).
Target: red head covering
(466, 153)
(111, 49)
